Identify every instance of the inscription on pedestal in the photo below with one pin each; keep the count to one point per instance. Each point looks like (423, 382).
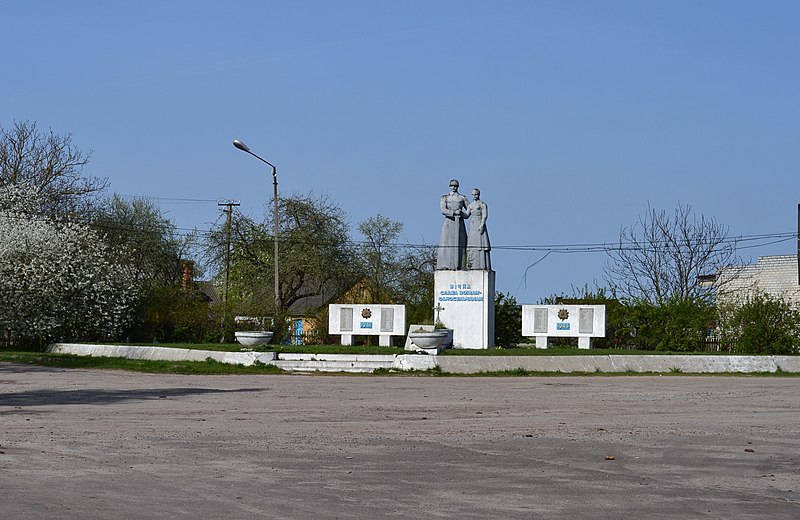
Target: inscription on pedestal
(464, 302)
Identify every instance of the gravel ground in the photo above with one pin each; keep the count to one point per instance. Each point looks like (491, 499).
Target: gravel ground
(110, 444)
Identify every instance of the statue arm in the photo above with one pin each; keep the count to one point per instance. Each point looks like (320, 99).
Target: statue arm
(463, 208)
(443, 207)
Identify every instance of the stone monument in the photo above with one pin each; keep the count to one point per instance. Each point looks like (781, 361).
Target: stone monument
(464, 285)
(453, 238)
(478, 246)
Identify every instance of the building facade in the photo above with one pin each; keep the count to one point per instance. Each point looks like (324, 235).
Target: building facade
(775, 276)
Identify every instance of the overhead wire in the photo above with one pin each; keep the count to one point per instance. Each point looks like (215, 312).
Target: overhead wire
(741, 242)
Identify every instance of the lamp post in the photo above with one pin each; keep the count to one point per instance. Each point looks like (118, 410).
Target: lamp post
(243, 147)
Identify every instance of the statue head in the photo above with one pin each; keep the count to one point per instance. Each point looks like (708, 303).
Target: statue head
(453, 185)
(476, 193)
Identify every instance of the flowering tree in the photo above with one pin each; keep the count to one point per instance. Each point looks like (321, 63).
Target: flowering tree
(56, 278)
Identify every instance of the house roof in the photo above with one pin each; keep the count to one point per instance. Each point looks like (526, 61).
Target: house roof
(329, 294)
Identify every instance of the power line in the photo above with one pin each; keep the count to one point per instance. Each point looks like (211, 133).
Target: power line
(167, 199)
(741, 242)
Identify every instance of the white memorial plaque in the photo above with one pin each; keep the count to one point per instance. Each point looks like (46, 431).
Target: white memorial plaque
(573, 321)
(361, 319)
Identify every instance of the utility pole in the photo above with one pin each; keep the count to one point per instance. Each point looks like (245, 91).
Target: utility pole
(228, 211)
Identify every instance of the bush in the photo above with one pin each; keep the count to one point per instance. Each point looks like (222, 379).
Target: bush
(680, 325)
(507, 321)
(763, 324)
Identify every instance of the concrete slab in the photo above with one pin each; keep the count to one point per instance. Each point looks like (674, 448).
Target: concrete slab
(162, 353)
(78, 444)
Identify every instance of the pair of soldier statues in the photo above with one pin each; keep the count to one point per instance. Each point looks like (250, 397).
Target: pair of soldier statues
(457, 248)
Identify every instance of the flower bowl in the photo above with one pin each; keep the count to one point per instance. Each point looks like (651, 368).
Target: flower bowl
(252, 338)
(428, 340)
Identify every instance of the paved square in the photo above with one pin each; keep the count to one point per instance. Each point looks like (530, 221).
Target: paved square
(107, 444)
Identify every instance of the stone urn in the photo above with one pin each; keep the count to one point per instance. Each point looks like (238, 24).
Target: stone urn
(428, 339)
(253, 338)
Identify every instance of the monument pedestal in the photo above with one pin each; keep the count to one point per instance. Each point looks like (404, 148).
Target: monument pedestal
(464, 302)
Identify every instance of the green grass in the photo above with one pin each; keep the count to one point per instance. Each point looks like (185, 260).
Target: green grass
(207, 367)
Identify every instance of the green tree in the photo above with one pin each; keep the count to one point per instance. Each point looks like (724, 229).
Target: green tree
(380, 256)
(416, 267)
(397, 274)
(316, 257)
(140, 236)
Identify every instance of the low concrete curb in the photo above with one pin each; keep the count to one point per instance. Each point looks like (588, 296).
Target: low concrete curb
(161, 353)
(696, 364)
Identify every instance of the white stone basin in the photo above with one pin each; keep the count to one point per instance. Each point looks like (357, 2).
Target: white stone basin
(428, 339)
(252, 338)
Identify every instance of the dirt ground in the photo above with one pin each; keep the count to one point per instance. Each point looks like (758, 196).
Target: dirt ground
(108, 444)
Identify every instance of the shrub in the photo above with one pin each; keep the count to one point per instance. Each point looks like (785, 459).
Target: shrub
(507, 321)
(762, 324)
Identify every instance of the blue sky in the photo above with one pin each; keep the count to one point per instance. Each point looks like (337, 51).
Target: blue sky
(571, 116)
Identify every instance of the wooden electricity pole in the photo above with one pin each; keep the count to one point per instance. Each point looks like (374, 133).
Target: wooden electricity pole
(228, 211)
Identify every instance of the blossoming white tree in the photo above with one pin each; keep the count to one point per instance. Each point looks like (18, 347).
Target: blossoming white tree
(56, 279)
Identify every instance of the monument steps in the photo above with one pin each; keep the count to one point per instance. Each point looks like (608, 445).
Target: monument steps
(330, 366)
(333, 362)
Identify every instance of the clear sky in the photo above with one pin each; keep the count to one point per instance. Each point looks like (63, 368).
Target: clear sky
(570, 116)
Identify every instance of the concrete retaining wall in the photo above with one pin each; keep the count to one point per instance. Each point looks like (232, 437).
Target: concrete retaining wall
(619, 363)
(451, 364)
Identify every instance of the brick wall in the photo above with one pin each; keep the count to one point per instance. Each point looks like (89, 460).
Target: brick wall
(773, 275)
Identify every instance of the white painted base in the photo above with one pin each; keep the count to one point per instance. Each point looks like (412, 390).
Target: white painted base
(384, 340)
(466, 299)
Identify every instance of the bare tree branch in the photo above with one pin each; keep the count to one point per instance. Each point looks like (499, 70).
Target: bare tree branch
(49, 164)
(660, 258)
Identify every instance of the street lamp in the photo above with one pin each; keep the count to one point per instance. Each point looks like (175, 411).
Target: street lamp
(243, 147)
